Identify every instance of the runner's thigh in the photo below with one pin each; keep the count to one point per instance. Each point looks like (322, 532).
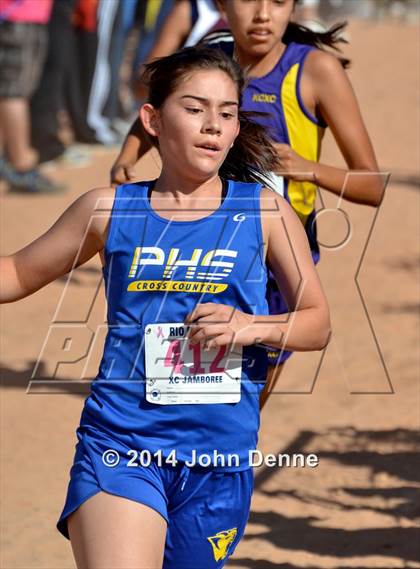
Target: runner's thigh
(114, 532)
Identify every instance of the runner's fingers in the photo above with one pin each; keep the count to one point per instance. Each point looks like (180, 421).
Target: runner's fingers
(220, 340)
(131, 173)
(118, 175)
(204, 333)
(201, 310)
(194, 334)
(282, 149)
(217, 313)
(216, 317)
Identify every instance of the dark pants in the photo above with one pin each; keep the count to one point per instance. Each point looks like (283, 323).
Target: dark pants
(65, 83)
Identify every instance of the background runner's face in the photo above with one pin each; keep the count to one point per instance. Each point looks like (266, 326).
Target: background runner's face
(257, 25)
(198, 124)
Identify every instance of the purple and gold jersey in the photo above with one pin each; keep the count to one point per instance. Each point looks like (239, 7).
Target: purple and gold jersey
(288, 121)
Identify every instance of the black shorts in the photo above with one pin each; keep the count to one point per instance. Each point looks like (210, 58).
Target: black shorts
(23, 48)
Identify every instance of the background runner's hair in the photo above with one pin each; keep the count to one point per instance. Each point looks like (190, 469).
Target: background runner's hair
(330, 38)
(300, 34)
(252, 153)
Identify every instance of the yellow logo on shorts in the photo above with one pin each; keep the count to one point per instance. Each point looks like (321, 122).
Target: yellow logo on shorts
(221, 542)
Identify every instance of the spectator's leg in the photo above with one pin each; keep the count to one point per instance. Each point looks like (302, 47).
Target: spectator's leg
(48, 98)
(15, 128)
(22, 55)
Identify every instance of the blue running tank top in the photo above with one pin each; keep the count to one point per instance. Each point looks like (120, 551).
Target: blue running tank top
(156, 271)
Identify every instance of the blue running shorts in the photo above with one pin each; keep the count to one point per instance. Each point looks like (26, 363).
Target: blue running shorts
(206, 510)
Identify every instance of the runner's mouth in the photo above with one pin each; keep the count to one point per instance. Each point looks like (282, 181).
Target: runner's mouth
(209, 147)
(260, 33)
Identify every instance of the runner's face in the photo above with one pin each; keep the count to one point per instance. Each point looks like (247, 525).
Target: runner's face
(198, 123)
(258, 25)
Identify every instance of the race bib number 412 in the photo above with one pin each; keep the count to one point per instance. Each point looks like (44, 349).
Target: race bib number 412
(179, 372)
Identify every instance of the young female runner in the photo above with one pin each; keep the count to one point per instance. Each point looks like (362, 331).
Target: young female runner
(161, 473)
(303, 89)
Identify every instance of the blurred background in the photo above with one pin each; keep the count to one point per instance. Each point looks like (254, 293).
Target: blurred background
(356, 406)
(80, 60)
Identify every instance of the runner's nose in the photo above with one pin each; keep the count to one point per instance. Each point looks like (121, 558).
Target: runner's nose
(212, 124)
(262, 13)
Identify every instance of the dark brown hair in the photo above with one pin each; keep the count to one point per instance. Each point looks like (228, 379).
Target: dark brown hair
(298, 33)
(252, 153)
(330, 38)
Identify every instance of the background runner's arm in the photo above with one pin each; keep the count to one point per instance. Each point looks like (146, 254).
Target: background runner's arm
(71, 241)
(171, 36)
(135, 145)
(330, 89)
(338, 105)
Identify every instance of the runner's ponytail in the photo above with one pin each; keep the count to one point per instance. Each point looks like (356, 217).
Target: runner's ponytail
(330, 38)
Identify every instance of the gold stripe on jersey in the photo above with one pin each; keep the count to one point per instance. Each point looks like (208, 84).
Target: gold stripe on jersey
(152, 13)
(305, 138)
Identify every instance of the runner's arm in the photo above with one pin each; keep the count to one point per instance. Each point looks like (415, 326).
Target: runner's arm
(73, 239)
(172, 35)
(308, 325)
(337, 103)
(135, 145)
(326, 84)
(174, 31)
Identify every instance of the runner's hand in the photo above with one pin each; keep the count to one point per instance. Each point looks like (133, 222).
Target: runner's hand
(121, 174)
(219, 325)
(294, 166)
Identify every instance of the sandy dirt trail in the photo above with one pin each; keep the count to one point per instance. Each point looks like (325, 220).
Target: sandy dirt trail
(357, 409)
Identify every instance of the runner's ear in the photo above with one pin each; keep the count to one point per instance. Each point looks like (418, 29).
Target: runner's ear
(149, 119)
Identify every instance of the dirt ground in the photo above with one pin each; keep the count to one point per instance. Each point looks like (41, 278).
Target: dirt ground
(356, 406)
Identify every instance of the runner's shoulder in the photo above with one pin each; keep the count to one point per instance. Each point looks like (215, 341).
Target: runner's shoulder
(275, 207)
(322, 65)
(272, 200)
(97, 207)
